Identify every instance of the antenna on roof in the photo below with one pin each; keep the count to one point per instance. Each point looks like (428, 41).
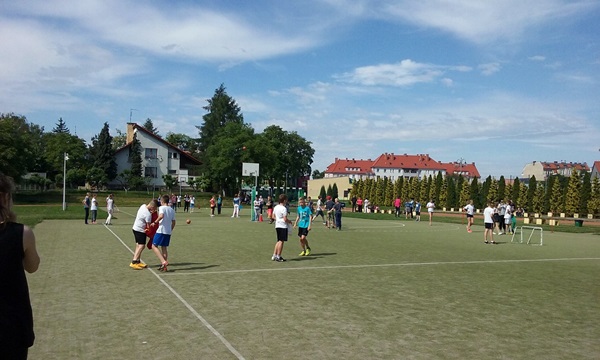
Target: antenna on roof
(131, 113)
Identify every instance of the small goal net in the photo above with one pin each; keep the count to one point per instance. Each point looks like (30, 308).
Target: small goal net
(533, 234)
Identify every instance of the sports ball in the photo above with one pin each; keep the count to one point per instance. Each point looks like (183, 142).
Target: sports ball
(188, 221)
(243, 148)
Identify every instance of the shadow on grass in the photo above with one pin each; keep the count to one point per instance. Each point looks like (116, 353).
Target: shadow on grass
(313, 256)
(171, 265)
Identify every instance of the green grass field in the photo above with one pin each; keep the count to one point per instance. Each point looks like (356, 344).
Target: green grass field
(381, 289)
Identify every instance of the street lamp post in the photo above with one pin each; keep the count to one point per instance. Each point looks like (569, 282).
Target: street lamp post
(66, 157)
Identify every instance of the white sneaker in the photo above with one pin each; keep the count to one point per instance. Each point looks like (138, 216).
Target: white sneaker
(273, 258)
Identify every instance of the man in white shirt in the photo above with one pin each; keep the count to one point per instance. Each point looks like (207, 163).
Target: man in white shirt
(488, 221)
(470, 210)
(280, 216)
(142, 220)
(162, 238)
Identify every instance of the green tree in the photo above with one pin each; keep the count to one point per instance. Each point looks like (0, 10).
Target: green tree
(523, 196)
(149, 125)
(476, 194)
(135, 156)
(572, 202)
(170, 182)
(221, 110)
(398, 187)
(103, 154)
(492, 195)
(119, 140)
(16, 157)
(443, 193)
(556, 198)
(316, 174)
(61, 127)
(594, 202)
(389, 193)
(502, 188)
(323, 193)
(224, 158)
(531, 192)
(184, 142)
(380, 192)
(334, 191)
(465, 194)
(585, 192)
(57, 143)
(538, 199)
(514, 195)
(329, 191)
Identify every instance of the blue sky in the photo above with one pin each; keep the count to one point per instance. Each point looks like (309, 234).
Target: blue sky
(498, 83)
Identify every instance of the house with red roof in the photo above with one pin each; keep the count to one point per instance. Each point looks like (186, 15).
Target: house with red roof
(352, 168)
(543, 169)
(395, 166)
(159, 158)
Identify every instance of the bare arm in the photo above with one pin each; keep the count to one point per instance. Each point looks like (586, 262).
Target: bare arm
(31, 258)
(173, 224)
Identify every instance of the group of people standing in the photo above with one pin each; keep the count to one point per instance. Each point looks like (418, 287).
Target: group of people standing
(90, 206)
(497, 216)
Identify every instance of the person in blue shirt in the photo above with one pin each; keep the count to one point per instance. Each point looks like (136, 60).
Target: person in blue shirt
(303, 222)
(418, 211)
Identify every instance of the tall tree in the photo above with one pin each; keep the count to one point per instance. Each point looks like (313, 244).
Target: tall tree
(61, 127)
(149, 125)
(221, 110)
(556, 198)
(16, 157)
(594, 203)
(184, 142)
(531, 191)
(103, 154)
(585, 192)
(514, 195)
(573, 193)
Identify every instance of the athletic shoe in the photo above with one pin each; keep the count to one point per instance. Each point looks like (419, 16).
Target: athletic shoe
(136, 266)
(307, 252)
(470, 231)
(280, 259)
(486, 242)
(163, 266)
(142, 265)
(493, 242)
(273, 258)
(302, 253)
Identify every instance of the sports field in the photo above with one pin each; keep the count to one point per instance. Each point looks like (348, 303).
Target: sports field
(387, 289)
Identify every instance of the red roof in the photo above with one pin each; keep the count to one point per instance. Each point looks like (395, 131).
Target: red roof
(553, 166)
(350, 166)
(405, 161)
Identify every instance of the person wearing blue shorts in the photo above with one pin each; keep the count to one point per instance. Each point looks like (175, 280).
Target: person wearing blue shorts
(303, 222)
(166, 224)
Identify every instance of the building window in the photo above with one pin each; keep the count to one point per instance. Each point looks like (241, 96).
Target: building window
(151, 153)
(172, 171)
(173, 155)
(150, 172)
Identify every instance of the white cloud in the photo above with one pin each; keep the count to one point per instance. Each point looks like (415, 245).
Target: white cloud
(484, 22)
(537, 58)
(405, 73)
(489, 68)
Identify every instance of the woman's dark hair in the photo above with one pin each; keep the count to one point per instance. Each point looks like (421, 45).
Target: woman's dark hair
(7, 187)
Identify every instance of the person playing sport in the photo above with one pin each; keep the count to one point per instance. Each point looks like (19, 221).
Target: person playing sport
(319, 211)
(280, 216)
(303, 222)
(143, 219)
(488, 220)
(469, 209)
(166, 223)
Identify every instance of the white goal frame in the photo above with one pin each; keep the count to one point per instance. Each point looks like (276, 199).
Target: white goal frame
(520, 230)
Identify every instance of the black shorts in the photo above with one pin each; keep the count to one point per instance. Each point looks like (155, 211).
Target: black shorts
(489, 225)
(319, 212)
(496, 218)
(417, 212)
(140, 237)
(282, 234)
(302, 231)
(469, 215)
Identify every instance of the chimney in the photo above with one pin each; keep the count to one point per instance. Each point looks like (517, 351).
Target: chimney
(130, 132)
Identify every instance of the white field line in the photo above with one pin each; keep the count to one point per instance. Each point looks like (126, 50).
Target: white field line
(378, 265)
(187, 305)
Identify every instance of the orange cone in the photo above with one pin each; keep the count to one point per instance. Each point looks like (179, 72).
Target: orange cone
(260, 218)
